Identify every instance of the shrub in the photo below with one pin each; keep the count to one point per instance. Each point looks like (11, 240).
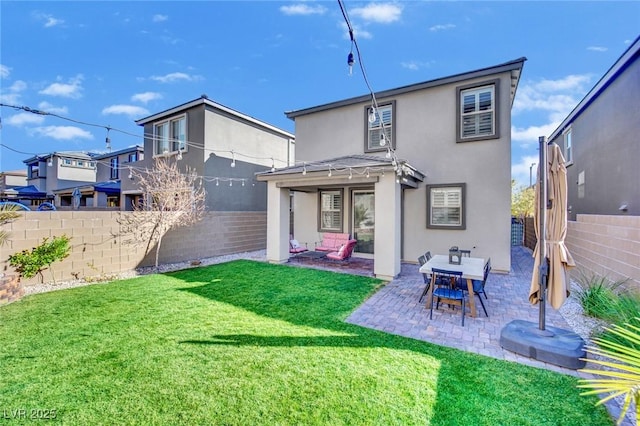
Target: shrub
(28, 263)
(598, 295)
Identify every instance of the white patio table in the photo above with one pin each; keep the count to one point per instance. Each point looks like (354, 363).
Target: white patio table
(472, 268)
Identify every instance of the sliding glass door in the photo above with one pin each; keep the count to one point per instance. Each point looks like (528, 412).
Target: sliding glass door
(363, 220)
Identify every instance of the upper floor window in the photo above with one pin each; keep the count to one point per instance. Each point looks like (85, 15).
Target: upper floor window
(170, 136)
(330, 211)
(568, 147)
(445, 206)
(379, 122)
(477, 113)
(114, 168)
(133, 157)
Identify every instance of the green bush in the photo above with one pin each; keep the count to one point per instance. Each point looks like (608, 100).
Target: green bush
(28, 263)
(598, 295)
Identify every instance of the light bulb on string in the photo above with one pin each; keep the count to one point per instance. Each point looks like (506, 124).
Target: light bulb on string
(273, 165)
(179, 156)
(350, 62)
(388, 153)
(329, 175)
(383, 140)
(304, 169)
(242, 182)
(372, 115)
(130, 173)
(50, 162)
(107, 140)
(367, 172)
(230, 183)
(233, 159)
(217, 182)
(350, 174)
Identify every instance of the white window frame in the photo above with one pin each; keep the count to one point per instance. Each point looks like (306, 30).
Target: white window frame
(384, 118)
(568, 145)
(330, 209)
(474, 118)
(441, 198)
(171, 143)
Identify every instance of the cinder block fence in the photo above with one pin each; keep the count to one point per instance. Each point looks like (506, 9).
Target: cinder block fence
(99, 249)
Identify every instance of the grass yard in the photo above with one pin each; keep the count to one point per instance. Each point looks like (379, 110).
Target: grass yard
(247, 343)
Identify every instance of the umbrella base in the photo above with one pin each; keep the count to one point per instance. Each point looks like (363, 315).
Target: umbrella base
(553, 345)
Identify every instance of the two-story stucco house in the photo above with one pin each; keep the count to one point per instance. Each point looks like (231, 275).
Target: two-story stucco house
(438, 177)
(105, 190)
(600, 142)
(225, 147)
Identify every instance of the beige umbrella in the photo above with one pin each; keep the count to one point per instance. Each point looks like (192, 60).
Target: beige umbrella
(555, 227)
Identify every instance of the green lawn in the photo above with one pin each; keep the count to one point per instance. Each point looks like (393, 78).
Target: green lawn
(246, 343)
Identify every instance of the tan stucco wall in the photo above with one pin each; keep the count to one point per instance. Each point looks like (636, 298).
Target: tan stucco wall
(425, 133)
(98, 250)
(606, 245)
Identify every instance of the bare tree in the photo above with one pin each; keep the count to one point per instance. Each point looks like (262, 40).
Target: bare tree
(171, 199)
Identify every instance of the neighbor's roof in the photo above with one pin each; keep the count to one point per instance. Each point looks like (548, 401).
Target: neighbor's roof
(627, 58)
(515, 67)
(68, 154)
(203, 100)
(102, 156)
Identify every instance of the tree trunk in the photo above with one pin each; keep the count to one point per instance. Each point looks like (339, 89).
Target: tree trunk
(158, 251)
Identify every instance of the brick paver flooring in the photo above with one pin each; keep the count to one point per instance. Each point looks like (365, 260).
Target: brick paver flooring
(395, 309)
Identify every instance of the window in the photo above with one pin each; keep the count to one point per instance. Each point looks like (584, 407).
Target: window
(114, 168)
(568, 146)
(477, 113)
(67, 162)
(170, 136)
(133, 157)
(330, 219)
(113, 201)
(377, 122)
(445, 206)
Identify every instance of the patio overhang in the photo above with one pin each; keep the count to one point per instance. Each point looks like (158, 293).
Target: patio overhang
(341, 171)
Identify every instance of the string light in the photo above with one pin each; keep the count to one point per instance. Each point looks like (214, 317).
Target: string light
(107, 140)
(367, 172)
(50, 162)
(233, 157)
(273, 165)
(304, 169)
(329, 175)
(217, 182)
(130, 173)
(179, 156)
(350, 174)
(372, 114)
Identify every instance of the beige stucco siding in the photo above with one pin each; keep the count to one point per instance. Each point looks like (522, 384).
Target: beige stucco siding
(425, 136)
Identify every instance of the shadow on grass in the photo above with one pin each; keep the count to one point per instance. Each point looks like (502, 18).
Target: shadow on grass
(322, 300)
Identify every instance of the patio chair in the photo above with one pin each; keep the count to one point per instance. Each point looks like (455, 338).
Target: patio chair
(478, 286)
(446, 289)
(427, 281)
(295, 247)
(344, 253)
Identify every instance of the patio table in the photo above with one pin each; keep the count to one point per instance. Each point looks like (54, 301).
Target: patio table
(472, 268)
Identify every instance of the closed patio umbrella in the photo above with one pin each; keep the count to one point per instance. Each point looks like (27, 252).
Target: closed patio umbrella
(551, 243)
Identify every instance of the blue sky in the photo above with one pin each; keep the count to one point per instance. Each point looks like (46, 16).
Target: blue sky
(110, 63)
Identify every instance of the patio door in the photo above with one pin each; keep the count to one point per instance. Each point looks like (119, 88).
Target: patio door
(363, 220)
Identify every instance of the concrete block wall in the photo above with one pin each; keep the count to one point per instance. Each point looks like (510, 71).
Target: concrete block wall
(607, 245)
(97, 249)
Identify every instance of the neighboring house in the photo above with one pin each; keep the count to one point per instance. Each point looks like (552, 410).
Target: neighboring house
(13, 187)
(225, 147)
(600, 143)
(105, 190)
(93, 178)
(452, 134)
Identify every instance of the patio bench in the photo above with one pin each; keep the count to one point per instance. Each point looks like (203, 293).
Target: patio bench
(332, 241)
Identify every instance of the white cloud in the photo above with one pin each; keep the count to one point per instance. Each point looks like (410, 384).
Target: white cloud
(159, 18)
(523, 172)
(62, 132)
(18, 86)
(530, 134)
(146, 97)
(442, 27)
(9, 98)
(129, 110)
(175, 76)
(72, 89)
(415, 65)
(597, 48)
(4, 71)
(383, 13)
(303, 9)
(24, 118)
(49, 20)
(47, 107)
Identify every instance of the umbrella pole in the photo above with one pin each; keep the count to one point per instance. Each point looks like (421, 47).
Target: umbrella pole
(542, 242)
